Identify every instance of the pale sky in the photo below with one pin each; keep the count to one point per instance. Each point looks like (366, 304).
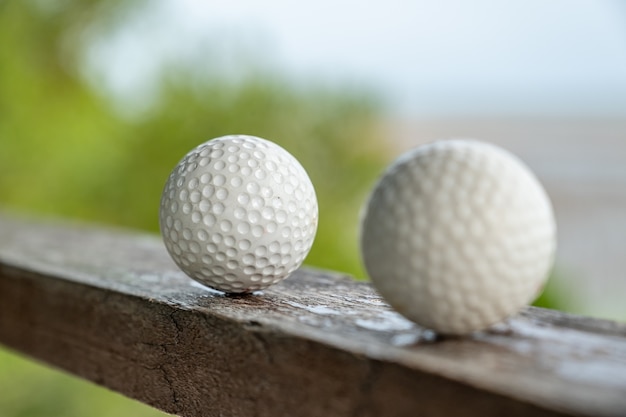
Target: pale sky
(424, 57)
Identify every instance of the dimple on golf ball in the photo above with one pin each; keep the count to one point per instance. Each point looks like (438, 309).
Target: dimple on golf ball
(238, 214)
(458, 235)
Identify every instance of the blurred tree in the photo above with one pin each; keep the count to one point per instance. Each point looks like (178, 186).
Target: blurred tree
(51, 123)
(65, 150)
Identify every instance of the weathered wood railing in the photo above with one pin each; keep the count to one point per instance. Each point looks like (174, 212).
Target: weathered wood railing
(111, 307)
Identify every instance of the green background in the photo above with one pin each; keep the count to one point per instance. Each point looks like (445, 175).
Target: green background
(67, 150)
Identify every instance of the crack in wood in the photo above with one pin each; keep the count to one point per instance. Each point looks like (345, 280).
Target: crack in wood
(366, 388)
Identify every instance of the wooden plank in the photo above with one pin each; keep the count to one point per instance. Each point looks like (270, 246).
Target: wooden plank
(111, 307)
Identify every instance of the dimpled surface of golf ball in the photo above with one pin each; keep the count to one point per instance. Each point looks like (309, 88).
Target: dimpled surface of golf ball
(458, 235)
(238, 214)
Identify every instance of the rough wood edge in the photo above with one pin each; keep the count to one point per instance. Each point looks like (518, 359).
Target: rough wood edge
(110, 307)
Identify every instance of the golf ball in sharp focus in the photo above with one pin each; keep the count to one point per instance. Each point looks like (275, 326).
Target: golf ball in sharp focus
(458, 235)
(238, 214)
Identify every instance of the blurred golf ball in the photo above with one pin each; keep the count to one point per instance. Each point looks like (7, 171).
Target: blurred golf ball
(238, 214)
(458, 235)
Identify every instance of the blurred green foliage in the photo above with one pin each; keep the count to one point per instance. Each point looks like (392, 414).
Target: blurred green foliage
(66, 150)
(554, 296)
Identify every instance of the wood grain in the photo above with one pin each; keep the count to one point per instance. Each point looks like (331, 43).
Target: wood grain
(110, 306)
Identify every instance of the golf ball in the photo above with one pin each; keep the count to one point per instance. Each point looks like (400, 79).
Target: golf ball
(238, 214)
(458, 235)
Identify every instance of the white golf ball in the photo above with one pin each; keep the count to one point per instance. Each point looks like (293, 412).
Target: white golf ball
(458, 235)
(238, 214)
